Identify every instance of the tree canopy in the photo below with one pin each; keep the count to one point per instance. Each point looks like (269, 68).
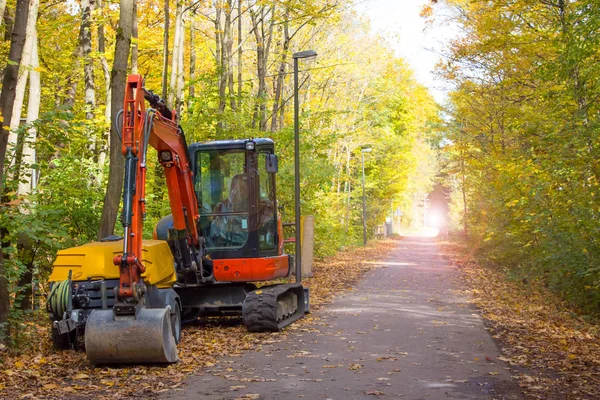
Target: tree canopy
(225, 67)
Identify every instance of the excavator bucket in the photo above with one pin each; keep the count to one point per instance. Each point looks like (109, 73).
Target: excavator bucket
(142, 339)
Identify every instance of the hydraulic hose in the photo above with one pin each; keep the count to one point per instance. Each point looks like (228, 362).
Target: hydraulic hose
(119, 123)
(58, 301)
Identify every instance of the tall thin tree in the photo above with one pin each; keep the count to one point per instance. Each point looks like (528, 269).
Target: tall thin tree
(7, 98)
(118, 81)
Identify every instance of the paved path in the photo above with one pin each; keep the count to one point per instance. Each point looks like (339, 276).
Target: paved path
(405, 332)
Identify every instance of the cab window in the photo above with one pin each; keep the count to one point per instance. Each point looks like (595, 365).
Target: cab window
(222, 187)
(267, 225)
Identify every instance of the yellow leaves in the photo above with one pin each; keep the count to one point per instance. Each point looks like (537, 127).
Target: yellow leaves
(534, 329)
(50, 386)
(81, 376)
(355, 367)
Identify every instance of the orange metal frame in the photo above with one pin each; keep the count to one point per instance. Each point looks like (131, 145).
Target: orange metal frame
(251, 269)
(165, 135)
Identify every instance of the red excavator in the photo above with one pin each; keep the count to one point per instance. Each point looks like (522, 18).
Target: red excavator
(123, 299)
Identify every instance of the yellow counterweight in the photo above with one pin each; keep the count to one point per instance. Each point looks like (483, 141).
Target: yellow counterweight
(94, 261)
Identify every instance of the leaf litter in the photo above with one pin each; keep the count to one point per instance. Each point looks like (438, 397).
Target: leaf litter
(42, 373)
(555, 354)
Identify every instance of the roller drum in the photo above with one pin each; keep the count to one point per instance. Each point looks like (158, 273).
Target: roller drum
(145, 338)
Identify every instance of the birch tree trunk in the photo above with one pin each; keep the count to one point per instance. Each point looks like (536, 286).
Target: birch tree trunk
(106, 71)
(28, 180)
(263, 33)
(22, 83)
(229, 59)
(134, 41)
(85, 35)
(281, 74)
(118, 81)
(239, 53)
(2, 8)
(180, 81)
(192, 56)
(175, 57)
(7, 98)
(165, 69)
(225, 52)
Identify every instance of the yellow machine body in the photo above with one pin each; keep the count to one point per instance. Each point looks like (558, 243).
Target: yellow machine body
(94, 261)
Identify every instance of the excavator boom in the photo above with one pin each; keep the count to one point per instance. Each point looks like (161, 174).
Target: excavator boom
(132, 332)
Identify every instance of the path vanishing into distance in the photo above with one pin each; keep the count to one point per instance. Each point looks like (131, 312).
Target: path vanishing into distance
(405, 331)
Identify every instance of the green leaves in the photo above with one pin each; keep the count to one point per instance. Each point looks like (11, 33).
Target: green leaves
(523, 143)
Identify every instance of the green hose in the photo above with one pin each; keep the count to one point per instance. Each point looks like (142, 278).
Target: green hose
(58, 301)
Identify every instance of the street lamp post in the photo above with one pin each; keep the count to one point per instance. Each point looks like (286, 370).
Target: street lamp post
(364, 200)
(298, 257)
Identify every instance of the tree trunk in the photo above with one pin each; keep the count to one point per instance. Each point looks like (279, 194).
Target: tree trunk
(175, 58)
(229, 47)
(134, 41)
(85, 35)
(118, 81)
(2, 8)
(180, 81)
(226, 44)
(192, 56)
(28, 181)
(220, 57)
(165, 69)
(7, 98)
(282, 71)
(27, 256)
(106, 71)
(22, 84)
(239, 51)
(263, 34)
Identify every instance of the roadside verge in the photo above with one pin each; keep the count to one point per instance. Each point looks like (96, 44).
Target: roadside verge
(535, 330)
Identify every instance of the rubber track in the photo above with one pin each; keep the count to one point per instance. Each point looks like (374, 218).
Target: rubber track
(260, 308)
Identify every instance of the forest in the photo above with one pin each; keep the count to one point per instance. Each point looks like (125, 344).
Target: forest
(522, 140)
(225, 67)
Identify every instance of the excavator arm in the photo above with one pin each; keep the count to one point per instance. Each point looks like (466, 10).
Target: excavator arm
(132, 332)
(156, 128)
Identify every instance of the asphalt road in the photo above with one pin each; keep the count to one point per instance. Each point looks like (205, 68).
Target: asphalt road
(405, 332)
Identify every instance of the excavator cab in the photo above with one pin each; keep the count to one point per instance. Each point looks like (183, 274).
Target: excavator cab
(236, 198)
(234, 182)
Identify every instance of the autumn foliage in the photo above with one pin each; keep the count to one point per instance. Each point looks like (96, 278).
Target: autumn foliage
(522, 147)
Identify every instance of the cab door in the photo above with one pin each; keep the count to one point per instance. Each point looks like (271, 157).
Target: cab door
(267, 232)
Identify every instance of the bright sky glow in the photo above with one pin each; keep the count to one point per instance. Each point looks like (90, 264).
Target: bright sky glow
(398, 22)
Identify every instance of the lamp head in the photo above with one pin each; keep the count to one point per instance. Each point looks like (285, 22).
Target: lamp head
(305, 54)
